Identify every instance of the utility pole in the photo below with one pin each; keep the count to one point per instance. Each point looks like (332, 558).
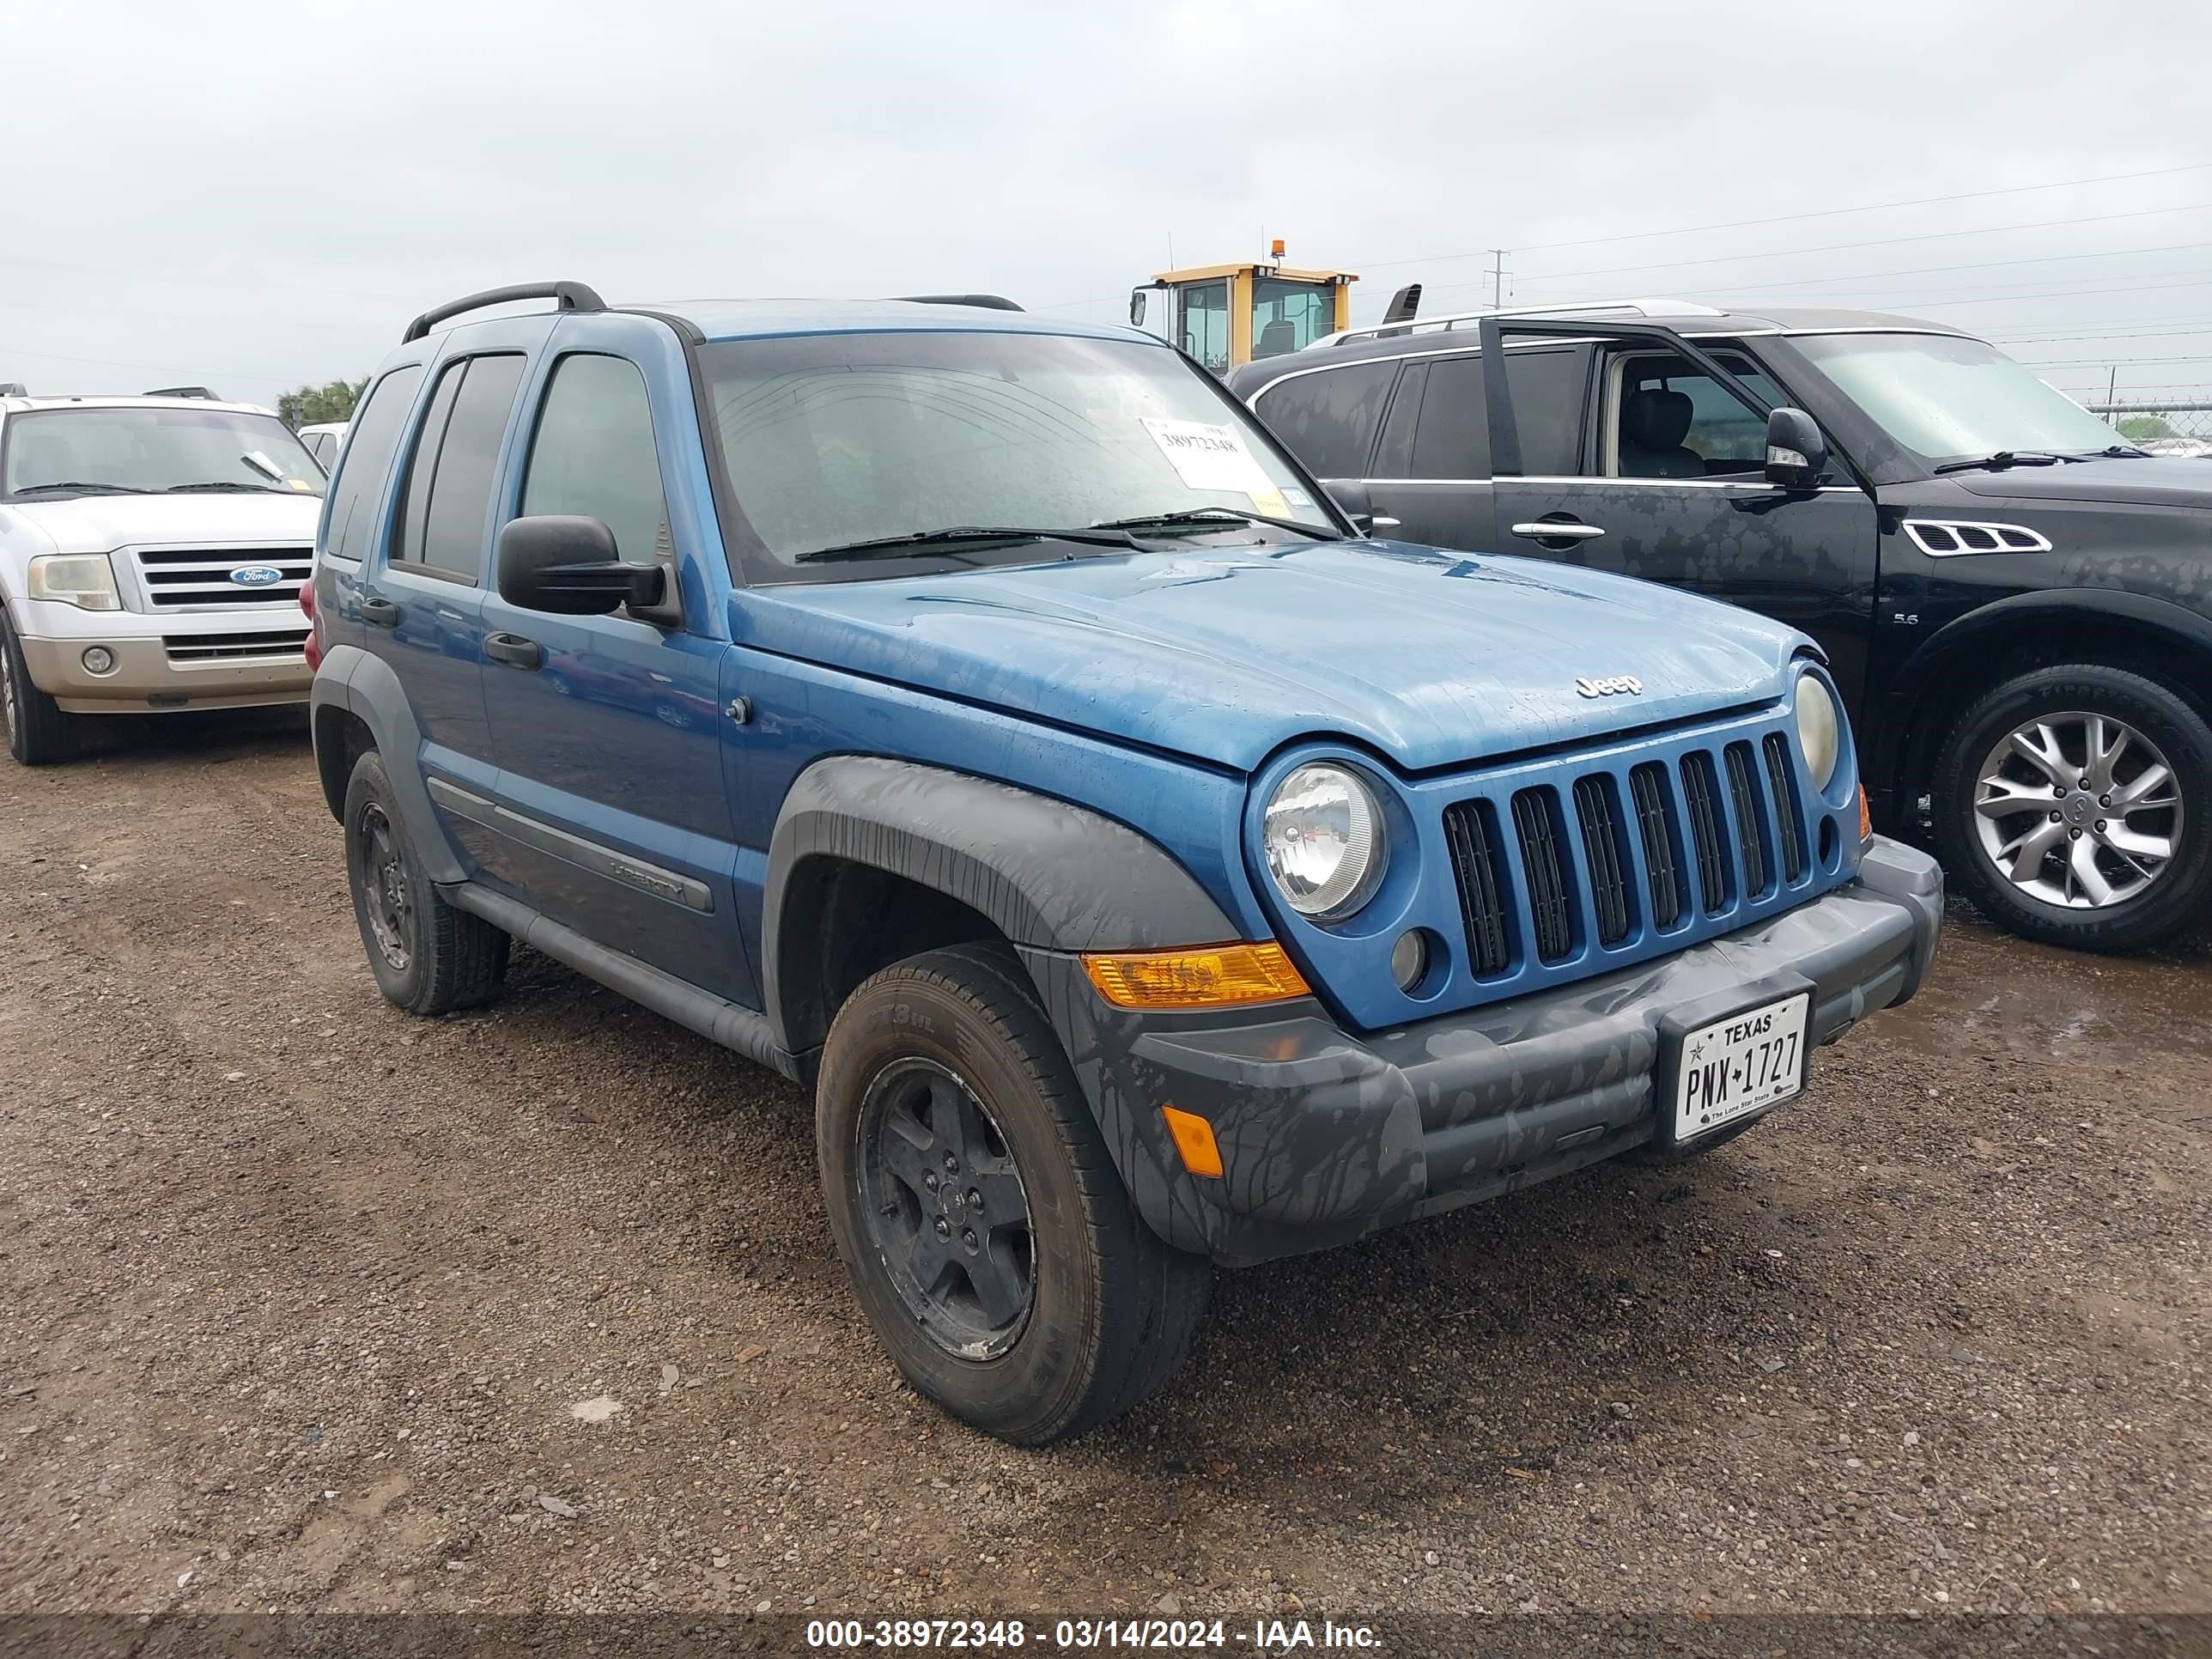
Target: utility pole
(1497, 279)
(2112, 385)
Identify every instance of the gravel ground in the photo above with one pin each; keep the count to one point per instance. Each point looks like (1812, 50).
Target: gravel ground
(307, 1305)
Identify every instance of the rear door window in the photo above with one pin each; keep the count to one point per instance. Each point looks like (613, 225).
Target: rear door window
(1452, 439)
(449, 494)
(1329, 418)
(359, 488)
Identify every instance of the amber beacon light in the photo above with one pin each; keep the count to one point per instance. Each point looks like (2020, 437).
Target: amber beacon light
(1205, 977)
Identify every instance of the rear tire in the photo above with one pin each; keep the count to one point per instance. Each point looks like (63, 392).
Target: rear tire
(39, 732)
(2086, 876)
(428, 957)
(946, 1109)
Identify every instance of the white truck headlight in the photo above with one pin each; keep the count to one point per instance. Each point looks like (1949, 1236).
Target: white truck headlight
(86, 580)
(1819, 728)
(1325, 841)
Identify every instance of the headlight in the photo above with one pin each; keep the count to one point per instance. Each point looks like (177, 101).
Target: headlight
(1818, 729)
(1325, 841)
(84, 579)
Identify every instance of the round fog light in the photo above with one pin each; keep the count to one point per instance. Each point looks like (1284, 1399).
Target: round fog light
(1409, 959)
(99, 660)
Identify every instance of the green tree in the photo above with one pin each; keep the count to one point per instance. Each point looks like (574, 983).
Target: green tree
(313, 405)
(2142, 428)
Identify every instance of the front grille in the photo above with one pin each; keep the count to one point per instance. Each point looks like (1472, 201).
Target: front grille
(224, 648)
(1751, 854)
(1481, 884)
(1532, 821)
(179, 576)
(1652, 847)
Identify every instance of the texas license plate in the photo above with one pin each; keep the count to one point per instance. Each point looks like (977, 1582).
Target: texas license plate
(1738, 1066)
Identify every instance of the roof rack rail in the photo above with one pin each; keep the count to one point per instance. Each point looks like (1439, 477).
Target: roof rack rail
(567, 296)
(13, 389)
(988, 301)
(1457, 319)
(181, 392)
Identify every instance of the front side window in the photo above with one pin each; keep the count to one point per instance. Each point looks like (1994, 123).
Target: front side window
(448, 494)
(149, 450)
(1946, 399)
(1289, 316)
(1672, 419)
(593, 455)
(831, 440)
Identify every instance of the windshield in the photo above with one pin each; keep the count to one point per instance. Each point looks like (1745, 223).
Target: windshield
(832, 439)
(148, 449)
(1951, 399)
(1288, 316)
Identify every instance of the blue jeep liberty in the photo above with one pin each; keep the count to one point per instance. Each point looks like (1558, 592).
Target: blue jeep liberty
(984, 720)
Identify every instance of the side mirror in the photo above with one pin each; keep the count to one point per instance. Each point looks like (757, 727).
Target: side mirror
(1136, 308)
(1352, 498)
(565, 565)
(1796, 455)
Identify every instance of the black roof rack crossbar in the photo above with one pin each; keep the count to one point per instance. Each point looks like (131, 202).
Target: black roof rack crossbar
(567, 296)
(988, 301)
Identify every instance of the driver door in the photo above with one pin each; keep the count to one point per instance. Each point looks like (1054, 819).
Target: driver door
(1670, 487)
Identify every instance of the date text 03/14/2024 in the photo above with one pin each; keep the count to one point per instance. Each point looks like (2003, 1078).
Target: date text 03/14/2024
(1271, 1635)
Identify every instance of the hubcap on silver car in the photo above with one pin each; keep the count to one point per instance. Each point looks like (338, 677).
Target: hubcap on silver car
(2078, 810)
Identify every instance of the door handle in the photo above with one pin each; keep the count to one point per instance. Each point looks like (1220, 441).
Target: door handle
(379, 612)
(1557, 531)
(515, 651)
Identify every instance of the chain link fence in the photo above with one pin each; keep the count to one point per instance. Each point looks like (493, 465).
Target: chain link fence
(2175, 428)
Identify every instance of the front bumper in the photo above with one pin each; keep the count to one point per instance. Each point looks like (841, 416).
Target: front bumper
(1326, 1136)
(147, 677)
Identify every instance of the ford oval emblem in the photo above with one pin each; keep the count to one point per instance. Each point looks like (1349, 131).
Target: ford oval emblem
(256, 576)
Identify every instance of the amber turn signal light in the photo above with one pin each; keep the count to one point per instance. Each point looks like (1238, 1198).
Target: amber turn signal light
(1208, 976)
(1194, 1139)
(1866, 817)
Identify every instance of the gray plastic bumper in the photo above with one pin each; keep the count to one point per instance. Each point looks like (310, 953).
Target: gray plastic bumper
(1325, 1136)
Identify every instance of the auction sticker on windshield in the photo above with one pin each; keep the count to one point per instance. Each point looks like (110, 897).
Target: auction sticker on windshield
(1739, 1065)
(1209, 457)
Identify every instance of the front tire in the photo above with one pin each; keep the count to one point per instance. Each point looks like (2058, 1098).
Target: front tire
(2074, 806)
(988, 1237)
(428, 957)
(39, 732)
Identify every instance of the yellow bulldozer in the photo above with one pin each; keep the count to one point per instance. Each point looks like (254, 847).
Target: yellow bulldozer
(1228, 315)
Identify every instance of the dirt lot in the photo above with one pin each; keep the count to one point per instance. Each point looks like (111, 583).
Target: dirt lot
(303, 1302)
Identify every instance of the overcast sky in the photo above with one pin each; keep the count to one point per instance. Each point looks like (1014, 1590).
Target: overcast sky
(255, 195)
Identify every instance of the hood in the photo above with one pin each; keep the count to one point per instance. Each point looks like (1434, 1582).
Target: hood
(2150, 481)
(1431, 658)
(101, 524)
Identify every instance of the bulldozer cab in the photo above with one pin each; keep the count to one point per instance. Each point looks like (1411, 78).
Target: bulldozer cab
(1228, 315)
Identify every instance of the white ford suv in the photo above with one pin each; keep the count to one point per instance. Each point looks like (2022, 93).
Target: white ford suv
(151, 555)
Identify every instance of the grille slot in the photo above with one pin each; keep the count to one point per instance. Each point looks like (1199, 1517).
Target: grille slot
(1744, 796)
(1481, 901)
(223, 647)
(176, 576)
(1607, 858)
(1789, 821)
(1533, 821)
(1699, 790)
(1647, 785)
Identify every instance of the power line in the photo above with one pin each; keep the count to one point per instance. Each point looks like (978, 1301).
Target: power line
(1790, 218)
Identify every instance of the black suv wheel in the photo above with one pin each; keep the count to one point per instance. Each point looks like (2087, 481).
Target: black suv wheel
(426, 955)
(39, 732)
(2074, 806)
(987, 1234)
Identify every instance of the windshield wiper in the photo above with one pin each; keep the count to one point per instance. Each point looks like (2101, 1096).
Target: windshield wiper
(2003, 458)
(2112, 452)
(226, 486)
(1225, 516)
(75, 488)
(920, 541)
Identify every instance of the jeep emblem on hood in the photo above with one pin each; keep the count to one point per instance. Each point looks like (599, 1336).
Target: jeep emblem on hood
(256, 576)
(1613, 687)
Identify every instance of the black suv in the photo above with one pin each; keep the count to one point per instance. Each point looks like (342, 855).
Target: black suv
(2016, 603)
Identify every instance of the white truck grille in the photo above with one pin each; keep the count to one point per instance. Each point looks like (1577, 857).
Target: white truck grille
(176, 577)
